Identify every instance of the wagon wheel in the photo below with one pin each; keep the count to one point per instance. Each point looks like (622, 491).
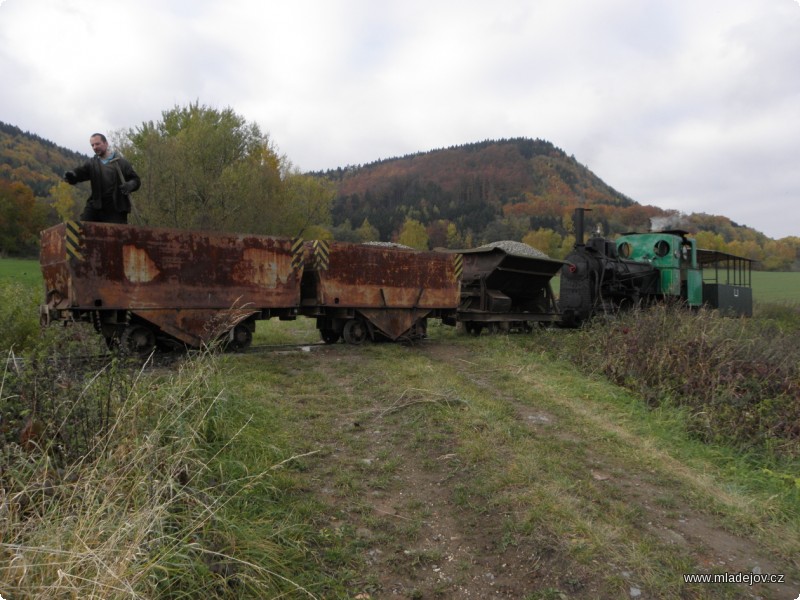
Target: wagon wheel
(473, 328)
(240, 338)
(138, 339)
(355, 331)
(112, 341)
(329, 336)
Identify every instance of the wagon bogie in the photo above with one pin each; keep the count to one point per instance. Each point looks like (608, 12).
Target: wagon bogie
(475, 323)
(138, 339)
(240, 336)
(356, 327)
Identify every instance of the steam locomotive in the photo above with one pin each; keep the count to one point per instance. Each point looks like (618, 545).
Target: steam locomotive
(604, 276)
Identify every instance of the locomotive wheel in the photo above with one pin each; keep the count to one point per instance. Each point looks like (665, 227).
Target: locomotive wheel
(240, 338)
(138, 340)
(355, 331)
(329, 336)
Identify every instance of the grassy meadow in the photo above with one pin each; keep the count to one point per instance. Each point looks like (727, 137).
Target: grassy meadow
(19, 270)
(776, 287)
(602, 463)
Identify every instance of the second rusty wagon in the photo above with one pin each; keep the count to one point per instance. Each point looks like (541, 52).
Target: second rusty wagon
(371, 291)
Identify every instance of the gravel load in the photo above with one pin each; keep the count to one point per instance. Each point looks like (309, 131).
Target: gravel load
(388, 245)
(516, 248)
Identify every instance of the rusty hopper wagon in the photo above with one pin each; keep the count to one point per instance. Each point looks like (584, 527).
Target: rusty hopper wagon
(144, 287)
(363, 291)
(506, 286)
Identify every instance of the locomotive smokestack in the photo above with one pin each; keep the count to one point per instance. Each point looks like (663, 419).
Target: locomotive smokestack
(578, 218)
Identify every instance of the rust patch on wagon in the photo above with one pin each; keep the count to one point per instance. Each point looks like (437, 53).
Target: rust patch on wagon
(260, 266)
(137, 265)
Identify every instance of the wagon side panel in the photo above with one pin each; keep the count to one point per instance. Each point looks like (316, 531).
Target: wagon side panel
(391, 288)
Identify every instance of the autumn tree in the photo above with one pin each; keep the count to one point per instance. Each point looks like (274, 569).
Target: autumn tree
(203, 168)
(709, 240)
(413, 234)
(545, 240)
(567, 245)
(21, 218)
(454, 238)
(344, 232)
(749, 249)
(65, 200)
(367, 233)
(779, 255)
(302, 205)
(437, 233)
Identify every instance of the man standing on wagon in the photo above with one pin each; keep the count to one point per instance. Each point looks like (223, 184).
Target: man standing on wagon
(113, 180)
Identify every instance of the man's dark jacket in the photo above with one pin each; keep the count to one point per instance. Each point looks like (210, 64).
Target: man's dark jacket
(91, 170)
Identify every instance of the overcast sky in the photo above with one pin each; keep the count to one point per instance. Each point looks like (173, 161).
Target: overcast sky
(691, 105)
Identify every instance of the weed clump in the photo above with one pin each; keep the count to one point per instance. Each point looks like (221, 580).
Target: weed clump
(738, 379)
(19, 325)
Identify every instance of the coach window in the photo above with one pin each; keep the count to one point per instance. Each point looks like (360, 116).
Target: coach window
(624, 250)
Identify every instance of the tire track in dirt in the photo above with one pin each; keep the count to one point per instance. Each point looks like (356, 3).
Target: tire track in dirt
(423, 537)
(712, 547)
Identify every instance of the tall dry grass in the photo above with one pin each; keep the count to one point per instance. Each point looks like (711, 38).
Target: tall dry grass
(108, 491)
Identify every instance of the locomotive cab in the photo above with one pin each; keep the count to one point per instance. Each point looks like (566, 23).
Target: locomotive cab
(674, 256)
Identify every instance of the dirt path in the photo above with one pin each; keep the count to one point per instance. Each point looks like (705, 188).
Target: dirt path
(405, 490)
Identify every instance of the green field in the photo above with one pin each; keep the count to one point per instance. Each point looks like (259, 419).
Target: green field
(20, 270)
(776, 287)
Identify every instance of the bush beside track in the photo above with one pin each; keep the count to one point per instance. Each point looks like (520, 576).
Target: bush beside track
(738, 379)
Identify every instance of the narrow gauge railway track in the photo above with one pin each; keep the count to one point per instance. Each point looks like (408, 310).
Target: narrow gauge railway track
(167, 358)
(270, 348)
(98, 361)
(94, 362)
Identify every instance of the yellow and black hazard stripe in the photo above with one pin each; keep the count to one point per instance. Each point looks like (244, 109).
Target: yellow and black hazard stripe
(322, 254)
(458, 265)
(297, 254)
(74, 240)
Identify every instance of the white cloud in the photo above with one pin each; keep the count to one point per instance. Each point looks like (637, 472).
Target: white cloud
(683, 104)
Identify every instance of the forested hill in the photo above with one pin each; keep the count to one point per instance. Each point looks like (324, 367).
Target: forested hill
(34, 161)
(506, 169)
(31, 189)
(485, 189)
